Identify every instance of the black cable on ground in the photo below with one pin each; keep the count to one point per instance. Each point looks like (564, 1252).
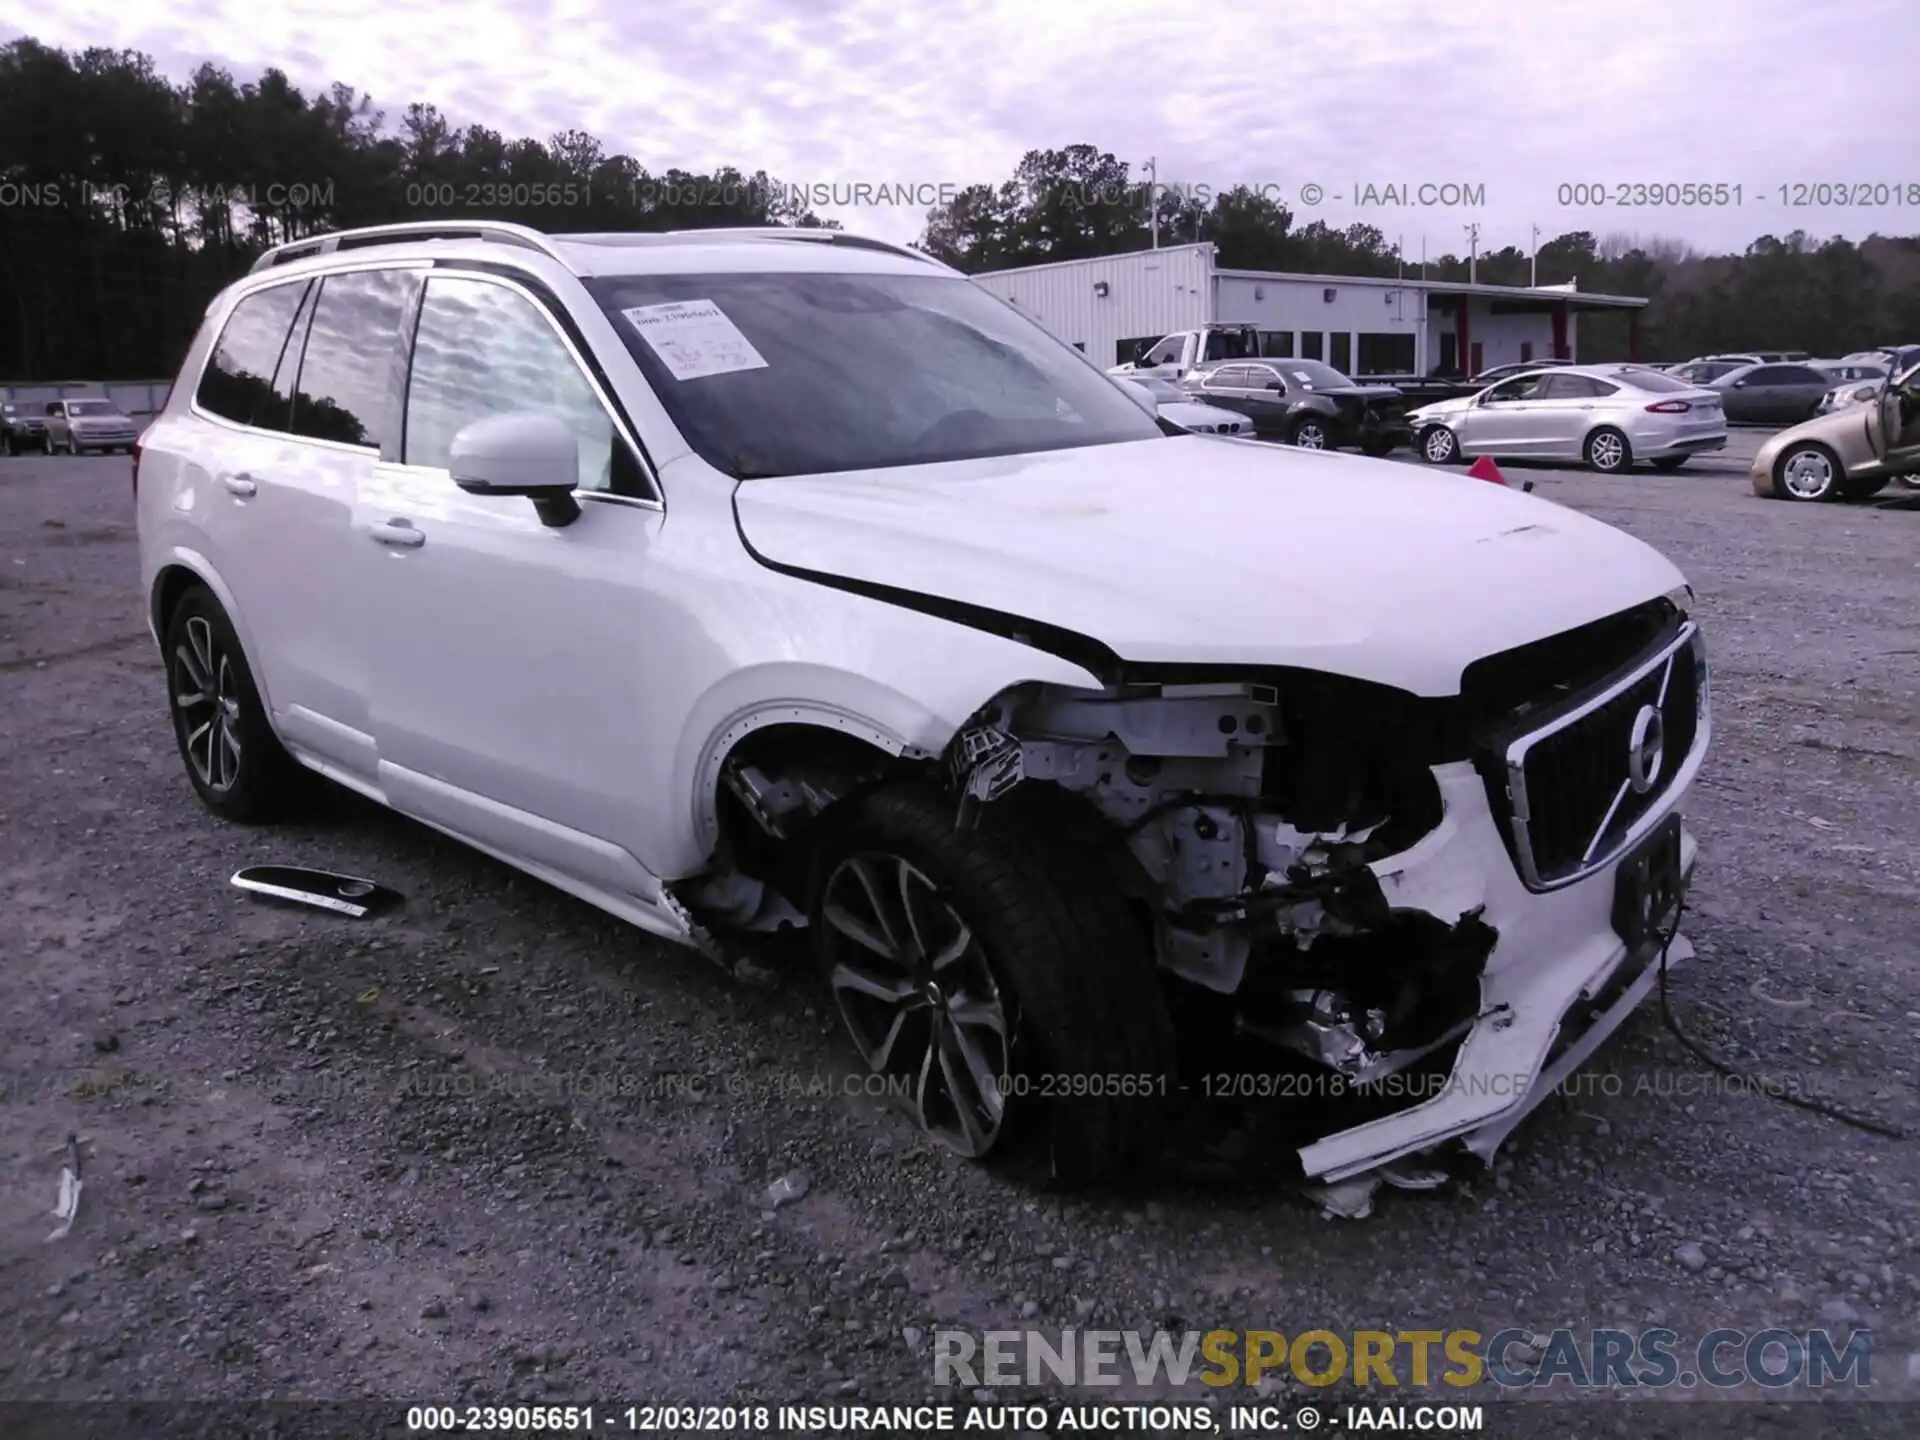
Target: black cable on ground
(1868, 1123)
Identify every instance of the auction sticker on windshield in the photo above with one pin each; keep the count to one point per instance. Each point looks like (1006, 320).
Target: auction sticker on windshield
(694, 338)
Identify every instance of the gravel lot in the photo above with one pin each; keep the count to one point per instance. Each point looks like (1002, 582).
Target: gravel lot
(498, 1146)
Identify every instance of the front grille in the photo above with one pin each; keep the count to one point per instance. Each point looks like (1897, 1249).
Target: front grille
(1571, 791)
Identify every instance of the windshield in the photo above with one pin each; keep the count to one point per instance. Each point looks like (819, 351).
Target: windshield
(91, 407)
(796, 374)
(1165, 391)
(1312, 375)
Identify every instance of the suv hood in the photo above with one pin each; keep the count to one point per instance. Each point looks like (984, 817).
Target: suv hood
(1220, 552)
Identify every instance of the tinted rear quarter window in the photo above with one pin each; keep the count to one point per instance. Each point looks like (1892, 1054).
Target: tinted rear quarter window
(238, 383)
(347, 392)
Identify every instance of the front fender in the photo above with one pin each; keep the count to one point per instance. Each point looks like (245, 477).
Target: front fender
(915, 712)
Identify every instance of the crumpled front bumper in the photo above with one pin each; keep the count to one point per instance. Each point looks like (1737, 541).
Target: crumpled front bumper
(1556, 953)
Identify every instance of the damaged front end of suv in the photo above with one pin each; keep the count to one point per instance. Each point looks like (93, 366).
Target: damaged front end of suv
(1416, 914)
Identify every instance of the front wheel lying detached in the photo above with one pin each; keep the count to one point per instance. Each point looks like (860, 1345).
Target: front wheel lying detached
(1009, 1004)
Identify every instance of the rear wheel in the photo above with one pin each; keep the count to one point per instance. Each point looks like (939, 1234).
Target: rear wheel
(1009, 1004)
(1807, 472)
(1608, 451)
(235, 762)
(1667, 464)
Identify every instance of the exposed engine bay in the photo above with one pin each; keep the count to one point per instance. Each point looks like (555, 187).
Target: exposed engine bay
(1246, 829)
(1423, 913)
(1251, 829)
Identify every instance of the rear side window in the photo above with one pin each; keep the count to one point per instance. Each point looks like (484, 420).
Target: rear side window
(238, 383)
(1578, 387)
(346, 392)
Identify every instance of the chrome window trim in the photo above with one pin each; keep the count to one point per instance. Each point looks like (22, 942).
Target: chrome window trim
(269, 279)
(1662, 661)
(243, 291)
(655, 501)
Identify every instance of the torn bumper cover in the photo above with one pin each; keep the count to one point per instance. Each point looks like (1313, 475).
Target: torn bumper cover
(1569, 965)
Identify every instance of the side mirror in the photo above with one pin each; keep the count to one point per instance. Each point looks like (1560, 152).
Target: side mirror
(528, 452)
(1141, 396)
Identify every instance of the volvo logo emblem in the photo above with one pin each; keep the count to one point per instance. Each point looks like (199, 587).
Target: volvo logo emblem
(1646, 749)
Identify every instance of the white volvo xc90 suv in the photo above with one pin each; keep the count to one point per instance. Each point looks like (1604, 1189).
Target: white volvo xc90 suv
(740, 580)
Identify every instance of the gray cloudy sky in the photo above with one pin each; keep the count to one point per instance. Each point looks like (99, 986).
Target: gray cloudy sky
(1519, 97)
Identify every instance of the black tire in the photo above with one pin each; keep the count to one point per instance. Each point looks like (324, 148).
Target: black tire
(46, 445)
(1377, 448)
(236, 765)
(1808, 472)
(1437, 445)
(1608, 452)
(1079, 997)
(1667, 464)
(1309, 432)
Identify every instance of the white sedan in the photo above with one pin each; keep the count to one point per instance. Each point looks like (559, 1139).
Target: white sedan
(1174, 404)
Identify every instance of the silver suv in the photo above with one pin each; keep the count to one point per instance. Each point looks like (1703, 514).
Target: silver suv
(76, 427)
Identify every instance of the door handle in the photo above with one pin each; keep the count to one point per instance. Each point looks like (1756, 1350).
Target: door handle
(242, 485)
(397, 532)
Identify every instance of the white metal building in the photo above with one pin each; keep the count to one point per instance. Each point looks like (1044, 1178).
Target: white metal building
(1362, 325)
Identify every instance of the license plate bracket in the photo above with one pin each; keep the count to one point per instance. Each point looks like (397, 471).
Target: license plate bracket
(1648, 887)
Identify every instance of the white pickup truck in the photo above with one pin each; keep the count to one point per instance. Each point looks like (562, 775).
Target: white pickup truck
(1172, 356)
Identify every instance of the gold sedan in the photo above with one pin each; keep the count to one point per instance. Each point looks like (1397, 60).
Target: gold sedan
(1847, 454)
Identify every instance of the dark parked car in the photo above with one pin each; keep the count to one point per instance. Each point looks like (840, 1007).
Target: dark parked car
(20, 431)
(1307, 403)
(1772, 394)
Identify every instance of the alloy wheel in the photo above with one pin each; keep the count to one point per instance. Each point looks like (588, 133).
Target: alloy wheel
(1310, 437)
(916, 992)
(206, 699)
(1606, 452)
(1439, 446)
(1807, 475)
